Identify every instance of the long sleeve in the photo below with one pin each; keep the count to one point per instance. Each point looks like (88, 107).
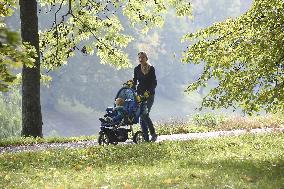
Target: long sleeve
(144, 82)
(118, 114)
(135, 79)
(153, 81)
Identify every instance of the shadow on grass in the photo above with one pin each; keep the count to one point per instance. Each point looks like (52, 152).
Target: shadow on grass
(235, 173)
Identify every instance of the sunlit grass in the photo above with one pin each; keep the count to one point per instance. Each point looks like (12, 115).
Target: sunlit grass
(211, 122)
(15, 141)
(249, 161)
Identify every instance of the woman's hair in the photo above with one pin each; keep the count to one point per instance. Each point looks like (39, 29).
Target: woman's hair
(143, 53)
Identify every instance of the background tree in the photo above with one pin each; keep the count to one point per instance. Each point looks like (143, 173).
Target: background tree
(245, 55)
(31, 107)
(72, 103)
(83, 82)
(96, 27)
(10, 113)
(93, 22)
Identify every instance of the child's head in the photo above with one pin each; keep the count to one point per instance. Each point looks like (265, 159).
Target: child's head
(119, 102)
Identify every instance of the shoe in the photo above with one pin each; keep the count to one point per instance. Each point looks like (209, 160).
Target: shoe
(154, 137)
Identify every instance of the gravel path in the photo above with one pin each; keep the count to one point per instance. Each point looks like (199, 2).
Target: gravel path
(173, 137)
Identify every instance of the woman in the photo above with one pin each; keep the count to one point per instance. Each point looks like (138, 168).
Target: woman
(144, 73)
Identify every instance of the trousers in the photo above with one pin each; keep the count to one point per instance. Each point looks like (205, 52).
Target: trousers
(145, 121)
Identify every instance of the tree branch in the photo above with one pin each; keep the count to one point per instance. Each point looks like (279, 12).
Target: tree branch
(70, 12)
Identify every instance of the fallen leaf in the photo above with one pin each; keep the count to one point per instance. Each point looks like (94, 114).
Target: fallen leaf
(126, 186)
(89, 168)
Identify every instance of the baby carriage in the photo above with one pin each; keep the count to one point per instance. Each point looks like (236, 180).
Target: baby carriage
(114, 132)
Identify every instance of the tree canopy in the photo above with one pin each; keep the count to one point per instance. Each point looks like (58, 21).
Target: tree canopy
(13, 54)
(95, 27)
(83, 26)
(246, 56)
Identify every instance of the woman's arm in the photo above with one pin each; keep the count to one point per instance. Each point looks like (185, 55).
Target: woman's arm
(153, 80)
(135, 79)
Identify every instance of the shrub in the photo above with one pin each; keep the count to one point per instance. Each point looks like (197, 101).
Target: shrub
(10, 114)
(208, 120)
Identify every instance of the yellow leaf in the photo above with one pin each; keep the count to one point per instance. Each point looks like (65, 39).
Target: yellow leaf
(126, 186)
(168, 181)
(89, 168)
(247, 178)
(171, 181)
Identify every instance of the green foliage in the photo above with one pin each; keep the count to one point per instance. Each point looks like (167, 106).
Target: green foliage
(208, 120)
(94, 27)
(178, 126)
(10, 114)
(7, 7)
(246, 56)
(12, 54)
(248, 161)
(85, 26)
(88, 77)
(213, 122)
(251, 122)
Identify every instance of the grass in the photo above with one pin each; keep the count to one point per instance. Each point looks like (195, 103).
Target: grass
(249, 161)
(16, 141)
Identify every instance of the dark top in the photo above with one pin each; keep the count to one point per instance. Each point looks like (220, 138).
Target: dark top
(118, 114)
(147, 82)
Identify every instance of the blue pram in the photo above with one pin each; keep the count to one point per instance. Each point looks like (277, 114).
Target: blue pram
(114, 132)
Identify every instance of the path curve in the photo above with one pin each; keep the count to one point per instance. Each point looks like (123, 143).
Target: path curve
(161, 138)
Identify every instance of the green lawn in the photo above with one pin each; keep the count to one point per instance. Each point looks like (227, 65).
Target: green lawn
(249, 161)
(16, 141)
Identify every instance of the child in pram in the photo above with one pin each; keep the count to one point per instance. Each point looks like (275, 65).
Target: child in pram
(117, 114)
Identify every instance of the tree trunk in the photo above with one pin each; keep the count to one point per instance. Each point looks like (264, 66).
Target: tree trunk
(31, 108)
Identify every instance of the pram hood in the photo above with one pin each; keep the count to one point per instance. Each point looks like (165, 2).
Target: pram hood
(126, 93)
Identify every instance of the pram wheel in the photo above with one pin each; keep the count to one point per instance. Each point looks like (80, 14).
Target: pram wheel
(103, 139)
(138, 137)
(114, 142)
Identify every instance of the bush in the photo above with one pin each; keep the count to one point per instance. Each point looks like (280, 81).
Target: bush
(178, 126)
(10, 114)
(252, 122)
(214, 122)
(208, 120)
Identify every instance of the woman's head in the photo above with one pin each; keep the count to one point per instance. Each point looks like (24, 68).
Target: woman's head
(142, 56)
(119, 102)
